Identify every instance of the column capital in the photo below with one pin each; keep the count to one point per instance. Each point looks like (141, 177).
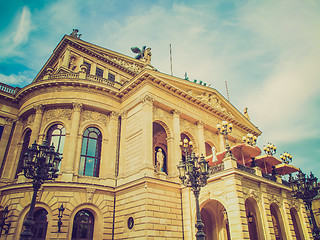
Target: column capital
(113, 115)
(199, 123)
(124, 114)
(39, 109)
(176, 113)
(9, 121)
(147, 99)
(77, 106)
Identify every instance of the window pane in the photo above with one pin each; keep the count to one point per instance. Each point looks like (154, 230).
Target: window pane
(84, 146)
(92, 147)
(81, 167)
(93, 135)
(99, 72)
(89, 167)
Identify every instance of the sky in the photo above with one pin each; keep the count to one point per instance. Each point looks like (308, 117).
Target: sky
(268, 52)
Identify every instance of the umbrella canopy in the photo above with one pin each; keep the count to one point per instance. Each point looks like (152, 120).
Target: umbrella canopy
(265, 162)
(285, 168)
(242, 152)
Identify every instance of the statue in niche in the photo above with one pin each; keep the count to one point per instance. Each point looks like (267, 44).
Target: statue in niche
(72, 64)
(160, 164)
(144, 54)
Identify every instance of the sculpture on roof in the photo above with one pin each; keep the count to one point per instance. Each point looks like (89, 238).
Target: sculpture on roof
(245, 113)
(75, 33)
(144, 54)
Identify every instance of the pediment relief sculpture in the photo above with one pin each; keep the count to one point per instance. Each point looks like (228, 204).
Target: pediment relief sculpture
(213, 100)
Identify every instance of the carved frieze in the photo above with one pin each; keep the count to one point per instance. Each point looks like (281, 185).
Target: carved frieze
(129, 66)
(56, 113)
(213, 100)
(90, 192)
(159, 113)
(253, 193)
(275, 199)
(186, 125)
(88, 115)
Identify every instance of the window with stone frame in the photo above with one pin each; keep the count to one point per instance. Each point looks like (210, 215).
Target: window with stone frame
(99, 72)
(88, 66)
(83, 225)
(56, 136)
(1, 131)
(90, 152)
(39, 228)
(111, 77)
(25, 145)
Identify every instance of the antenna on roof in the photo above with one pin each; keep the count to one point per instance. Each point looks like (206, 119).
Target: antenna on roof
(227, 90)
(170, 59)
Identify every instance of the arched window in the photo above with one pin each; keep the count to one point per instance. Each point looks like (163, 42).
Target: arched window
(90, 152)
(83, 225)
(56, 136)
(25, 145)
(40, 225)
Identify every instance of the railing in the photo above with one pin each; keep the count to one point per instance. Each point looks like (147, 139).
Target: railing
(284, 182)
(95, 78)
(8, 89)
(269, 177)
(89, 77)
(216, 168)
(246, 169)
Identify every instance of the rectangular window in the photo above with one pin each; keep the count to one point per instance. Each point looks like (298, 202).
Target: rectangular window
(111, 77)
(88, 67)
(99, 72)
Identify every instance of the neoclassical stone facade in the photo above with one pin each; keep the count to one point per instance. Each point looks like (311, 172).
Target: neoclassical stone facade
(108, 115)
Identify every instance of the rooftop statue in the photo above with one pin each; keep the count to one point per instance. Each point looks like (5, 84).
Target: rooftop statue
(144, 54)
(75, 33)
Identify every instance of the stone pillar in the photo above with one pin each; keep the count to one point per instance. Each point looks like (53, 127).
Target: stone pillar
(108, 155)
(36, 124)
(202, 145)
(236, 212)
(10, 167)
(93, 68)
(5, 138)
(123, 138)
(265, 213)
(70, 148)
(176, 141)
(171, 161)
(147, 116)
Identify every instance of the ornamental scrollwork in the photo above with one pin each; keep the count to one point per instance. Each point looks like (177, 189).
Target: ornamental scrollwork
(88, 115)
(147, 99)
(55, 113)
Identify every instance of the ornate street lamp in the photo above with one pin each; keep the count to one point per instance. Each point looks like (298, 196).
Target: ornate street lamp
(270, 149)
(61, 210)
(193, 173)
(3, 225)
(250, 139)
(41, 163)
(306, 188)
(225, 128)
(286, 158)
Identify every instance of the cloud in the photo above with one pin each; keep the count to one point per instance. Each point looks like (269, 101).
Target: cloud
(18, 34)
(14, 79)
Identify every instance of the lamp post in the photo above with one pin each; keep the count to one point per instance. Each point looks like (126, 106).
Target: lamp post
(250, 139)
(225, 128)
(193, 173)
(41, 163)
(286, 158)
(306, 188)
(270, 149)
(61, 210)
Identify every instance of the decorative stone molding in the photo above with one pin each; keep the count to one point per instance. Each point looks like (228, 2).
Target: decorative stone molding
(28, 121)
(90, 192)
(39, 109)
(159, 113)
(185, 125)
(275, 199)
(113, 115)
(9, 121)
(55, 113)
(77, 107)
(129, 66)
(124, 114)
(88, 115)
(147, 99)
(176, 113)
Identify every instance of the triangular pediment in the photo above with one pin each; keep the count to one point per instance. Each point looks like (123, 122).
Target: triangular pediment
(204, 96)
(119, 63)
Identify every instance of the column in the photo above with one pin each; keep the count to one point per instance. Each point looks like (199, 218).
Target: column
(5, 138)
(36, 124)
(171, 161)
(221, 143)
(202, 146)
(123, 139)
(147, 118)
(176, 140)
(67, 164)
(93, 68)
(109, 150)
